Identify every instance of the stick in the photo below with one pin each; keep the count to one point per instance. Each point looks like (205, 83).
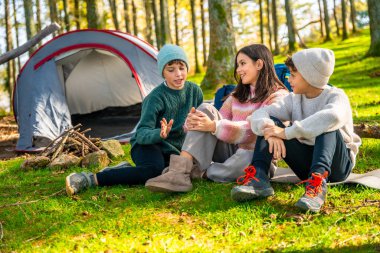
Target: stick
(31, 43)
(53, 141)
(1, 231)
(87, 141)
(32, 201)
(60, 146)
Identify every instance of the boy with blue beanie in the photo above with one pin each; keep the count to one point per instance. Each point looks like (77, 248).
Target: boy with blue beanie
(159, 134)
(319, 145)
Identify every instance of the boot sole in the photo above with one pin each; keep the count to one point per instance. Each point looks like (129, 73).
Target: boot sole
(305, 207)
(164, 187)
(70, 191)
(241, 195)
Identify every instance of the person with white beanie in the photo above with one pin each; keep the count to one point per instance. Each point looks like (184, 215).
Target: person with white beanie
(319, 145)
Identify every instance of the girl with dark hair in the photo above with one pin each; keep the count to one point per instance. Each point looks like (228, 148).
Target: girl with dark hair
(220, 144)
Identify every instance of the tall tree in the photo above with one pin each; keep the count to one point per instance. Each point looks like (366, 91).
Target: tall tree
(165, 29)
(53, 11)
(261, 21)
(9, 46)
(222, 49)
(327, 20)
(269, 26)
(336, 20)
(344, 20)
(204, 48)
(77, 14)
(148, 21)
(29, 19)
(16, 31)
(290, 25)
(92, 14)
(126, 16)
(353, 15)
(157, 26)
(374, 26)
(176, 22)
(320, 18)
(134, 18)
(67, 15)
(113, 7)
(275, 27)
(195, 35)
(38, 16)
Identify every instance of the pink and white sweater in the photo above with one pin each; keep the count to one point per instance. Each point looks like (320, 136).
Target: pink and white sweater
(234, 127)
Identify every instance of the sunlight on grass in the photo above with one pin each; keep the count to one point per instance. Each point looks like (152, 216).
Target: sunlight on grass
(132, 219)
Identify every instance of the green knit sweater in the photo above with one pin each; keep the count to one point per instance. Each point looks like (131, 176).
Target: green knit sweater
(167, 103)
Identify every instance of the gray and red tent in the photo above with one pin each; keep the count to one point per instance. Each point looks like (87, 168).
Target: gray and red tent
(94, 77)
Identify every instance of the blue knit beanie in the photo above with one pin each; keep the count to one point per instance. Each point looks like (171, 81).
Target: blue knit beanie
(169, 53)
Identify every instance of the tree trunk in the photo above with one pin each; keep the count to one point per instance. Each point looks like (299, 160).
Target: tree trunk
(113, 7)
(261, 22)
(327, 20)
(148, 21)
(53, 11)
(203, 34)
(10, 78)
(162, 23)
(76, 14)
(38, 15)
(374, 26)
(269, 26)
(167, 23)
(67, 15)
(156, 24)
(126, 16)
(321, 18)
(92, 14)
(29, 21)
(353, 15)
(290, 25)
(344, 20)
(195, 35)
(17, 31)
(176, 22)
(134, 18)
(275, 28)
(336, 20)
(222, 49)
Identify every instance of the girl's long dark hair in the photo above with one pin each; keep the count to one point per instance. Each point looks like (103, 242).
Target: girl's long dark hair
(267, 82)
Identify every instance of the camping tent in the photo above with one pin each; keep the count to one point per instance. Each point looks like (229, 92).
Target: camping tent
(94, 77)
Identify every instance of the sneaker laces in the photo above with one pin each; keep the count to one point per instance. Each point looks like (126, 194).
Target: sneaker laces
(250, 173)
(314, 186)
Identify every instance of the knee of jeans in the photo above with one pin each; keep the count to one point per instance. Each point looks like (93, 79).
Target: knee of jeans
(209, 109)
(277, 122)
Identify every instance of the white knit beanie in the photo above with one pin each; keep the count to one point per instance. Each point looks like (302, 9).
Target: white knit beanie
(316, 65)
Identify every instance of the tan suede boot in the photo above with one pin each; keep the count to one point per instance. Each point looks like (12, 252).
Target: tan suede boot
(176, 178)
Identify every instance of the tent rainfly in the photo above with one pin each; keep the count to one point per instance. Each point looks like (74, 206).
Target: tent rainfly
(94, 77)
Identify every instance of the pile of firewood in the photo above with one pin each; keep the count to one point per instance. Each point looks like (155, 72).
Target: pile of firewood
(72, 141)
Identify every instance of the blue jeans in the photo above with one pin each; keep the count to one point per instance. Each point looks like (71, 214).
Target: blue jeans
(329, 153)
(150, 162)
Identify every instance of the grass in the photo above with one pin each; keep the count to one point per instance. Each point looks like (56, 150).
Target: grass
(132, 219)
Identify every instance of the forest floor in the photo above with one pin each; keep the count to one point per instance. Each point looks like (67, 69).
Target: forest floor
(37, 216)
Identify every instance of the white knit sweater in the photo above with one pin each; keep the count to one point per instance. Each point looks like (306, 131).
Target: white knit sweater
(311, 117)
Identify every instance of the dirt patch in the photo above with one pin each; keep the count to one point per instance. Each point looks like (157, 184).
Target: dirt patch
(8, 137)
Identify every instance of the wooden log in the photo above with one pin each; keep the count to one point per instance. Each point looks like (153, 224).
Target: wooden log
(47, 150)
(31, 43)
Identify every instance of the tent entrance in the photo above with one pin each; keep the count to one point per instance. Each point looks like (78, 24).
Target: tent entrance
(101, 91)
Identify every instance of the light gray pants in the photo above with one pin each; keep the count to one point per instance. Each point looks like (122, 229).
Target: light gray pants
(224, 162)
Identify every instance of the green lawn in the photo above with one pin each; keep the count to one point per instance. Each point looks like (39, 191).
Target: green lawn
(133, 219)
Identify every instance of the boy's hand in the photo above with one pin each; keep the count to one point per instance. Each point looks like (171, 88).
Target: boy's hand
(277, 147)
(165, 128)
(274, 131)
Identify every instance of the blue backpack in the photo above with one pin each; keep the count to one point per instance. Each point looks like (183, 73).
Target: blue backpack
(282, 72)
